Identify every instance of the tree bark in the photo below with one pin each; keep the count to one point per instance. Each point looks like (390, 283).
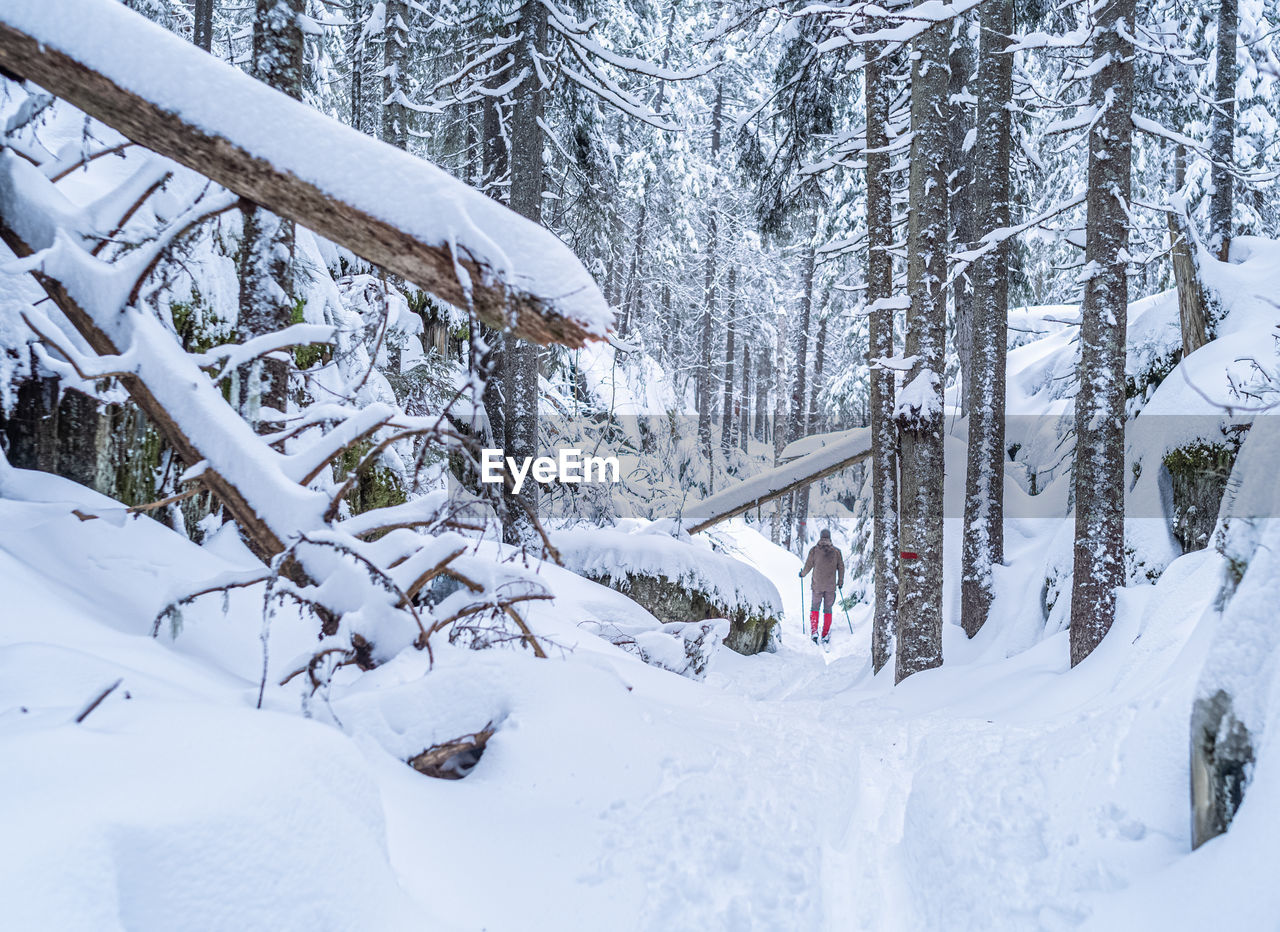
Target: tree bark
(884, 443)
(798, 425)
(780, 532)
(761, 426)
(357, 62)
(1099, 406)
(729, 414)
(527, 183)
(817, 423)
(703, 389)
(1222, 134)
(919, 412)
(744, 426)
(202, 24)
(394, 128)
(960, 199)
(984, 385)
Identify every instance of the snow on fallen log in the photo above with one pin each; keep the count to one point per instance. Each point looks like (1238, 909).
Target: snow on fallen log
(840, 451)
(677, 581)
(810, 444)
(394, 209)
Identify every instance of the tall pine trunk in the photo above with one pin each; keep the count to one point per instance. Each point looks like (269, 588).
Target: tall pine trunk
(361, 84)
(884, 435)
(495, 166)
(919, 410)
(761, 425)
(744, 426)
(799, 420)
(1222, 135)
(520, 381)
(202, 24)
(985, 385)
(703, 385)
(1099, 465)
(817, 424)
(960, 200)
(780, 532)
(395, 50)
(729, 413)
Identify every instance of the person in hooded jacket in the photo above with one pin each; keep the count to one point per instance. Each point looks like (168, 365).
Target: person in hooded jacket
(827, 566)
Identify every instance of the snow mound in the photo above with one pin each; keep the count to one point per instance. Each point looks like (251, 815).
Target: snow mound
(613, 554)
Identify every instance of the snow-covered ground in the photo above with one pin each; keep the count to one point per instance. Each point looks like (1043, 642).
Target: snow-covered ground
(791, 790)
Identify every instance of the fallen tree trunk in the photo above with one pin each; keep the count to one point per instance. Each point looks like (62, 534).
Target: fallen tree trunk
(397, 211)
(839, 452)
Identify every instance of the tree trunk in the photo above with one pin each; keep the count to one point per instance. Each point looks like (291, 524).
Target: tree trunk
(1099, 406)
(960, 200)
(265, 260)
(1222, 134)
(357, 61)
(394, 128)
(1184, 253)
(729, 415)
(495, 167)
(744, 425)
(780, 532)
(202, 24)
(817, 423)
(884, 443)
(762, 400)
(632, 294)
(799, 420)
(984, 385)
(919, 412)
(527, 180)
(709, 293)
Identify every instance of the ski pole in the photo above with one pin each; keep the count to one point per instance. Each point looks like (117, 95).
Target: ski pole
(846, 610)
(803, 627)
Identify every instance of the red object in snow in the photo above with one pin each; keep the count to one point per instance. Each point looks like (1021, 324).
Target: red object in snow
(908, 555)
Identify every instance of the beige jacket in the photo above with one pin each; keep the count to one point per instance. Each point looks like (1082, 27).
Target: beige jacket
(827, 566)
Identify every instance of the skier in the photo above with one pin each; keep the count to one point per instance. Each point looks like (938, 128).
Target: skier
(828, 576)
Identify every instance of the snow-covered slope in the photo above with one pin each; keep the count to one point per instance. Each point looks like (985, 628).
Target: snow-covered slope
(789, 791)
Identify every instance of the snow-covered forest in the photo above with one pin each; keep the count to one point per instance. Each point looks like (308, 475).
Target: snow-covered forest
(605, 464)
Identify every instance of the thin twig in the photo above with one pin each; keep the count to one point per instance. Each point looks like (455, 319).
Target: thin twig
(98, 701)
(180, 496)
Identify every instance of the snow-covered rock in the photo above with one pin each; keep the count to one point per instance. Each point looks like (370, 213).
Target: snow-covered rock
(677, 580)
